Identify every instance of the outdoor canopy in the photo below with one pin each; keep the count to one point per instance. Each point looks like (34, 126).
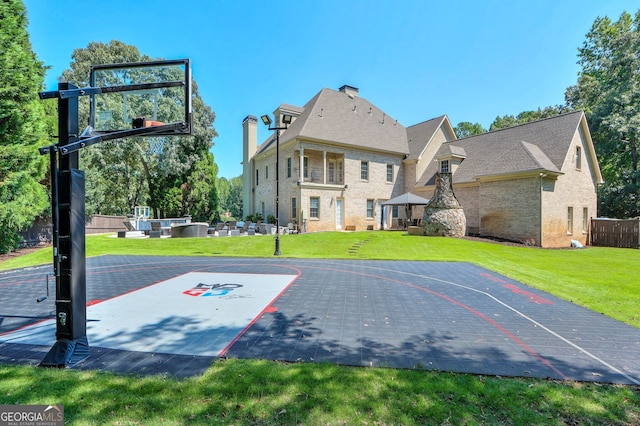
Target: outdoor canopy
(407, 199)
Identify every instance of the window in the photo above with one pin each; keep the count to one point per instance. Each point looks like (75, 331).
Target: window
(314, 207)
(305, 162)
(262, 211)
(340, 172)
(394, 212)
(364, 170)
(294, 208)
(369, 209)
(444, 166)
(578, 158)
(570, 220)
(266, 172)
(389, 172)
(288, 167)
(585, 219)
(257, 177)
(332, 172)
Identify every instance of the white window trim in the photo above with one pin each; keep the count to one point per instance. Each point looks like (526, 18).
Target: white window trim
(362, 163)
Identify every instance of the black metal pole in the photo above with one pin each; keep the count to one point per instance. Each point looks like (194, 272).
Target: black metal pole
(55, 224)
(277, 251)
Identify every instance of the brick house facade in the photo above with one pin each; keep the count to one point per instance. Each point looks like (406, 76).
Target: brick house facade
(342, 157)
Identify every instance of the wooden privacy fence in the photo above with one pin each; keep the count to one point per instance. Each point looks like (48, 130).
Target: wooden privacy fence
(624, 233)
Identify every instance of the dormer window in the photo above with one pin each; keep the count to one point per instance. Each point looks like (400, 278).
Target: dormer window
(444, 166)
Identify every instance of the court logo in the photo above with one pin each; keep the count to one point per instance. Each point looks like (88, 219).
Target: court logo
(207, 290)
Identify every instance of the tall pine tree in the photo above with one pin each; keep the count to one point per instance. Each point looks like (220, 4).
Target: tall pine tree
(22, 127)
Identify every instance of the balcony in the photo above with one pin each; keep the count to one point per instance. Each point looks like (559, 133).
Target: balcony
(321, 169)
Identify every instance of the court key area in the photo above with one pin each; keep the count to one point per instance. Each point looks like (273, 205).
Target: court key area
(177, 315)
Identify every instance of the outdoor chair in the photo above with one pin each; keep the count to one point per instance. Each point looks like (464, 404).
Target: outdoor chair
(291, 228)
(245, 227)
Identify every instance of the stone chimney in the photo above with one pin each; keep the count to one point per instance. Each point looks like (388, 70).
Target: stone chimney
(351, 91)
(249, 148)
(444, 216)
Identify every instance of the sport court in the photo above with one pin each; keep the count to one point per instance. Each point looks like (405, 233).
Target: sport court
(177, 315)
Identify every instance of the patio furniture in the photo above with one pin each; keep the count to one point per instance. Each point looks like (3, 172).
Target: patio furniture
(189, 230)
(156, 229)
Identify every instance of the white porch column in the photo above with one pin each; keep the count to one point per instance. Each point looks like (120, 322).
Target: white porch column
(301, 172)
(324, 167)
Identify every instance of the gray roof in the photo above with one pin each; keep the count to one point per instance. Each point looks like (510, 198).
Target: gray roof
(539, 145)
(420, 134)
(334, 116)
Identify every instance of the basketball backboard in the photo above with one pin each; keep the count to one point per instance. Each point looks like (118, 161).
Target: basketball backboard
(141, 95)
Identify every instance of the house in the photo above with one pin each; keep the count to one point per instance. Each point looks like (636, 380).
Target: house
(342, 157)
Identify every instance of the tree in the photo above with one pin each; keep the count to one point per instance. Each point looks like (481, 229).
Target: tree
(23, 127)
(528, 116)
(234, 201)
(230, 192)
(465, 129)
(165, 179)
(608, 89)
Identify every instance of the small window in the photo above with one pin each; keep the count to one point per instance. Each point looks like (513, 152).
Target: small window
(288, 167)
(340, 172)
(364, 170)
(444, 166)
(305, 162)
(294, 208)
(266, 172)
(578, 158)
(262, 210)
(314, 207)
(369, 209)
(332, 172)
(389, 172)
(257, 177)
(585, 219)
(570, 220)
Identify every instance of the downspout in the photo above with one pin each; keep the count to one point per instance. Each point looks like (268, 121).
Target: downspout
(540, 233)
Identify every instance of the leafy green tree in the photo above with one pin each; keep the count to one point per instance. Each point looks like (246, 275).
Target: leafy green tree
(223, 193)
(528, 116)
(465, 129)
(230, 192)
(23, 127)
(165, 179)
(234, 201)
(201, 196)
(608, 89)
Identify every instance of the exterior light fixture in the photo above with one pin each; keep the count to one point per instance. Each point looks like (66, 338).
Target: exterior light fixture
(266, 120)
(286, 120)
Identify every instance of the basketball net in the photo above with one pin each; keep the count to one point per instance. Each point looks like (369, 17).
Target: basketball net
(156, 146)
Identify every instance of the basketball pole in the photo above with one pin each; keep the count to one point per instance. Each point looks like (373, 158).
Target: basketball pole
(68, 202)
(69, 264)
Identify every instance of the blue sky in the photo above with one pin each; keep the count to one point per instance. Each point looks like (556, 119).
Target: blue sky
(472, 60)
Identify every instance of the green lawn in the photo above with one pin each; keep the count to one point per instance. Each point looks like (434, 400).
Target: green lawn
(263, 392)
